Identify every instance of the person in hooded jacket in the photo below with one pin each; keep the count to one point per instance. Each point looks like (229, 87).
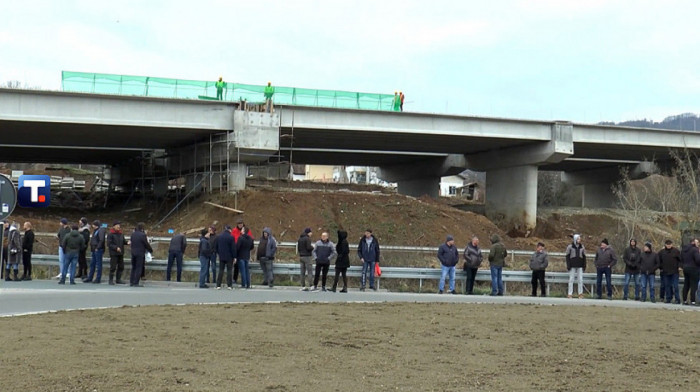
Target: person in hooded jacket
(14, 244)
(84, 230)
(691, 265)
(575, 264)
(342, 263)
(631, 258)
(267, 249)
(472, 261)
(449, 257)
(669, 262)
(538, 264)
(497, 260)
(648, 264)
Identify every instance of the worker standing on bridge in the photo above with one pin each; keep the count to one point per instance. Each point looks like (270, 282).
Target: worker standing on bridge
(269, 92)
(220, 86)
(396, 103)
(401, 98)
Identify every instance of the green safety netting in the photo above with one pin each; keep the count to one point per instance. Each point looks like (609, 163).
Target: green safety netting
(98, 83)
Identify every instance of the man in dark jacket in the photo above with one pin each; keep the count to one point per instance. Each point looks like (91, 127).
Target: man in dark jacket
(244, 245)
(204, 251)
(139, 247)
(648, 265)
(631, 258)
(62, 233)
(605, 260)
(72, 244)
(178, 245)
(305, 248)
(211, 266)
(226, 249)
(497, 260)
(575, 264)
(323, 254)
(97, 247)
(691, 266)
(448, 256)
(116, 243)
(342, 262)
(538, 264)
(472, 262)
(267, 249)
(27, 249)
(669, 262)
(368, 253)
(84, 230)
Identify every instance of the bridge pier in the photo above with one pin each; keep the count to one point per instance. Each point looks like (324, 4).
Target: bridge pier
(511, 197)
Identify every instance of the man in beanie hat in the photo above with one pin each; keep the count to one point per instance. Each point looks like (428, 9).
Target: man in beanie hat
(605, 260)
(669, 262)
(448, 256)
(575, 264)
(538, 264)
(648, 264)
(305, 249)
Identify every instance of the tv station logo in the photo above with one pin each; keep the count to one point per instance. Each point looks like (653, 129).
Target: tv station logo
(34, 191)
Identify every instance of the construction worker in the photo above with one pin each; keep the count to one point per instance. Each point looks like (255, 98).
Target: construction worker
(401, 98)
(269, 92)
(397, 102)
(220, 85)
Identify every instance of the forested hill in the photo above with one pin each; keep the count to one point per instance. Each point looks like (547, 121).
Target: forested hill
(685, 121)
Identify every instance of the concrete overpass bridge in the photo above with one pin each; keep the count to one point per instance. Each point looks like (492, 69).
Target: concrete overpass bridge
(412, 149)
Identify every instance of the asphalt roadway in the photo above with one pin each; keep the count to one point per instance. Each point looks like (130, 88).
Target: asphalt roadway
(42, 296)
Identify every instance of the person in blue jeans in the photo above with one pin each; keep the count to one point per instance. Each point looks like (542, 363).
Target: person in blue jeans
(605, 260)
(368, 253)
(212, 260)
(204, 252)
(73, 243)
(649, 263)
(243, 247)
(448, 256)
(631, 257)
(497, 260)
(97, 249)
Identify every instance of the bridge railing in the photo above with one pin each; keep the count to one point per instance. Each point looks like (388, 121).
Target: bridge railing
(147, 86)
(293, 269)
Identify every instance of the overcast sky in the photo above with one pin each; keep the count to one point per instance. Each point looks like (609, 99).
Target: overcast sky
(588, 60)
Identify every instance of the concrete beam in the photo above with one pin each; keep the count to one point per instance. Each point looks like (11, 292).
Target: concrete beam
(610, 174)
(422, 177)
(559, 147)
(511, 197)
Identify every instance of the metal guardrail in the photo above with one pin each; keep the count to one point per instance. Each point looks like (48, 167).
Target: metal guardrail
(293, 269)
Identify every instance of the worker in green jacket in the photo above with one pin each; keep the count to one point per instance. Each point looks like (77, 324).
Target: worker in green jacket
(269, 92)
(397, 102)
(220, 85)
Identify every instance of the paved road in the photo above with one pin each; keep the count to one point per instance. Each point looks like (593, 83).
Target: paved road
(18, 298)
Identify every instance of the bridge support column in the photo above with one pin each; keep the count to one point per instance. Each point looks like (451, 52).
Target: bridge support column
(236, 176)
(511, 197)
